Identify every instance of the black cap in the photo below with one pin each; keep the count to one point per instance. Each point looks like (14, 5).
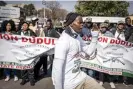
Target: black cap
(70, 18)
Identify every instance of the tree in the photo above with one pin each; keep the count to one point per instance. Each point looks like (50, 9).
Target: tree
(2, 3)
(30, 10)
(61, 14)
(102, 8)
(48, 13)
(54, 6)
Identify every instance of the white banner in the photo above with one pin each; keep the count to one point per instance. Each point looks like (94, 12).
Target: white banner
(10, 12)
(114, 57)
(19, 52)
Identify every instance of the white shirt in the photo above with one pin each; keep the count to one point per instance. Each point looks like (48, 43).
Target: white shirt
(66, 73)
(121, 35)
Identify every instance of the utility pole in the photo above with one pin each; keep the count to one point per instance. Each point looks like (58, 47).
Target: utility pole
(44, 3)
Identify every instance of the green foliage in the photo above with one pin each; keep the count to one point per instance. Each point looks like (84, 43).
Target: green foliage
(2, 3)
(102, 8)
(30, 10)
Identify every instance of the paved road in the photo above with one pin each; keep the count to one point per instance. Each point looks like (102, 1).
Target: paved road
(45, 83)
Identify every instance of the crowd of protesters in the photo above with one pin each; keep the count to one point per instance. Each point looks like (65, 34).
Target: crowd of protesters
(121, 31)
(29, 29)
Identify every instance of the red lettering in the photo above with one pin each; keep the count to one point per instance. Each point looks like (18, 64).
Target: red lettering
(53, 41)
(24, 39)
(100, 39)
(47, 40)
(105, 40)
(84, 38)
(32, 40)
(18, 67)
(6, 37)
(4, 66)
(123, 42)
(39, 40)
(130, 45)
(117, 42)
(14, 38)
(28, 67)
(11, 66)
(112, 41)
(1, 36)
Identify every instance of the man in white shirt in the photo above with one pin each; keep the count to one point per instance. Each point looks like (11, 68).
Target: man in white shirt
(119, 32)
(66, 73)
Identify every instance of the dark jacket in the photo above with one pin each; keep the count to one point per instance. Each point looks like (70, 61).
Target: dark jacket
(51, 33)
(27, 33)
(128, 32)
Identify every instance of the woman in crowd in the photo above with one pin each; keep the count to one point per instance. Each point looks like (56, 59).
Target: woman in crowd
(27, 75)
(8, 28)
(25, 31)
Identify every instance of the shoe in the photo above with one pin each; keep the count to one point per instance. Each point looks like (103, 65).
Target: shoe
(125, 83)
(23, 82)
(15, 78)
(101, 83)
(32, 83)
(45, 73)
(7, 78)
(112, 85)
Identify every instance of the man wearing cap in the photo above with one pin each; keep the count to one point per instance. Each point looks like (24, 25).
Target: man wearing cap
(34, 22)
(121, 34)
(108, 25)
(86, 31)
(120, 31)
(66, 73)
(105, 32)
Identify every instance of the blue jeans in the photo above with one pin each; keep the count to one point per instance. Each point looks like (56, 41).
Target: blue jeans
(7, 72)
(89, 72)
